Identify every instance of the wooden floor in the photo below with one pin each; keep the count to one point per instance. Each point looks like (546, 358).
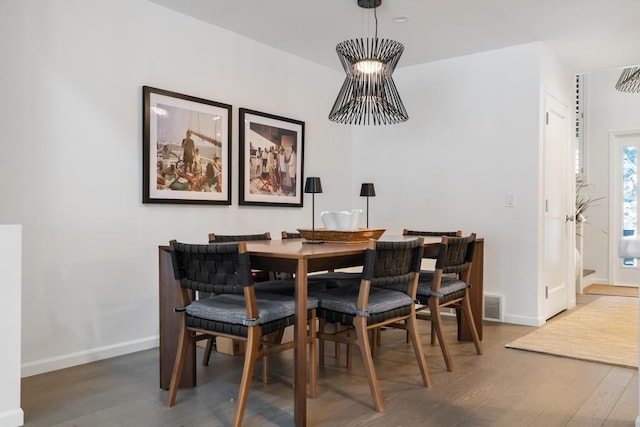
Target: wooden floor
(504, 387)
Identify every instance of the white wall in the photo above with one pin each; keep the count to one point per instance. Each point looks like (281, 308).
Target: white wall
(71, 120)
(10, 270)
(606, 110)
(471, 138)
(72, 125)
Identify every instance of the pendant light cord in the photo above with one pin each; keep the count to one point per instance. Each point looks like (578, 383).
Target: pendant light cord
(375, 15)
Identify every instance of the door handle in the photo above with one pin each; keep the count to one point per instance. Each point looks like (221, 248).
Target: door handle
(568, 218)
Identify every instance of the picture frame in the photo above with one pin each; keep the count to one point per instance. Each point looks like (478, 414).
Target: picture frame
(186, 149)
(267, 142)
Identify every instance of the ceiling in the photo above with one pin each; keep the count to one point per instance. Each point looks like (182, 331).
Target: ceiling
(587, 34)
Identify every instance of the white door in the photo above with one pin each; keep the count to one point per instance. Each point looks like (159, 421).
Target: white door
(623, 158)
(557, 230)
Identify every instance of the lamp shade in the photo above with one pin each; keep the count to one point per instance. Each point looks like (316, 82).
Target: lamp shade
(629, 80)
(367, 189)
(368, 94)
(313, 185)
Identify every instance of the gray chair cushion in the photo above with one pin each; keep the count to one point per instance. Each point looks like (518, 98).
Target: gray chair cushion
(344, 300)
(448, 286)
(231, 308)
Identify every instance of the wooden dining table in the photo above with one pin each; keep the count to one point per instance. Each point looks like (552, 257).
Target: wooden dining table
(290, 256)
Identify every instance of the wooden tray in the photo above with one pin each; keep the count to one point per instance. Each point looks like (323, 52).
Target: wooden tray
(360, 235)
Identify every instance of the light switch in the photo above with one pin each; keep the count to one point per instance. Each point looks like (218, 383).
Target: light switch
(508, 198)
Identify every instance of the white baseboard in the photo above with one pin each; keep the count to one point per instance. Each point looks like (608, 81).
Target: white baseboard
(12, 418)
(522, 320)
(91, 355)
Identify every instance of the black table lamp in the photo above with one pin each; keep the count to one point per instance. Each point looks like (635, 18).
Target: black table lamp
(367, 190)
(313, 186)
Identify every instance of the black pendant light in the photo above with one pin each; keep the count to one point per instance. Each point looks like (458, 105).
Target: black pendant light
(629, 80)
(368, 94)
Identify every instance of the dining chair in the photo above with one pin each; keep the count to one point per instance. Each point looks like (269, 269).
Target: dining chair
(427, 274)
(374, 303)
(263, 281)
(449, 287)
(217, 238)
(407, 232)
(289, 235)
(234, 309)
(258, 275)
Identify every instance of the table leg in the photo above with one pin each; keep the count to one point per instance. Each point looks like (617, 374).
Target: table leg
(170, 326)
(300, 355)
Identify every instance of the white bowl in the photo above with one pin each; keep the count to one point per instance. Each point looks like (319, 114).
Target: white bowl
(341, 220)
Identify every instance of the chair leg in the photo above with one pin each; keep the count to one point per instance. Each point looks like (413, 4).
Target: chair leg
(349, 358)
(207, 351)
(178, 365)
(466, 307)
(265, 370)
(313, 365)
(362, 338)
(321, 325)
(433, 334)
(250, 357)
(278, 336)
(274, 338)
(336, 346)
(436, 322)
(412, 330)
(374, 340)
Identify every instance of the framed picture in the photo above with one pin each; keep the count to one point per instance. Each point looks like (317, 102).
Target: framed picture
(186, 149)
(271, 159)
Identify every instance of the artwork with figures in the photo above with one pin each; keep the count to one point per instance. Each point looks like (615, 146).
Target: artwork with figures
(271, 151)
(186, 149)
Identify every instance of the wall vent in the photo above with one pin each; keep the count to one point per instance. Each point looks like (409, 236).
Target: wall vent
(493, 307)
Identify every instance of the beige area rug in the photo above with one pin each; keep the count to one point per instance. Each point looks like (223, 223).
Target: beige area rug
(605, 330)
(622, 291)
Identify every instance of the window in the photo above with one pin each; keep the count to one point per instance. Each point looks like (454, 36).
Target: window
(629, 195)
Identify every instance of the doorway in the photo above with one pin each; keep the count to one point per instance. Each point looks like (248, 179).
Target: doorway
(623, 191)
(610, 131)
